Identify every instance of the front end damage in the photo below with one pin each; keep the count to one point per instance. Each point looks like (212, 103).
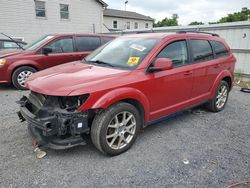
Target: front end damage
(54, 121)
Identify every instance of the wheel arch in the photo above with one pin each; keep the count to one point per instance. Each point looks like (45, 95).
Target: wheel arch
(228, 79)
(14, 66)
(224, 75)
(129, 95)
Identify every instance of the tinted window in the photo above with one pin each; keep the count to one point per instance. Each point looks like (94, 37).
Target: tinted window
(219, 49)
(177, 52)
(64, 45)
(106, 39)
(202, 50)
(87, 43)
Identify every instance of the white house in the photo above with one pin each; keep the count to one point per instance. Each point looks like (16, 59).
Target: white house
(31, 19)
(117, 20)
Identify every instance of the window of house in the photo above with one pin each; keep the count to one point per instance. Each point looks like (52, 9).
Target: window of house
(202, 50)
(128, 25)
(64, 45)
(177, 52)
(219, 49)
(40, 9)
(64, 11)
(115, 24)
(136, 25)
(87, 43)
(146, 25)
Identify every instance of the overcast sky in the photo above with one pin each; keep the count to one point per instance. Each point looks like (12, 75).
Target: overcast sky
(188, 10)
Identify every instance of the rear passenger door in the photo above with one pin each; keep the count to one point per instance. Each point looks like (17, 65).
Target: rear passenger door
(86, 44)
(220, 62)
(201, 57)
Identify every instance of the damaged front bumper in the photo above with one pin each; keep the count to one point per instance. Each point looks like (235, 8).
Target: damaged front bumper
(50, 125)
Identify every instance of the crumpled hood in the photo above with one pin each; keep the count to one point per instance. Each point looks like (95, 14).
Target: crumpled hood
(71, 78)
(6, 53)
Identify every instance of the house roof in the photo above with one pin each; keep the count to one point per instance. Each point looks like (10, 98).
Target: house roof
(102, 2)
(126, 14)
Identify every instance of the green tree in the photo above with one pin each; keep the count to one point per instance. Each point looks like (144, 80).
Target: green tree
(196, 23)
(173, 21)
(243, 15)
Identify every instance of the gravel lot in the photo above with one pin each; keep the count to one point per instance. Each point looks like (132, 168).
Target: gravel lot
(215, 148)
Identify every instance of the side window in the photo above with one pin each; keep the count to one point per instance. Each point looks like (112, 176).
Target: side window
(64, 45)
(106, 39)
(8, 44)
(202, 50)
(219, 49)
(177, 52)
(87, 43)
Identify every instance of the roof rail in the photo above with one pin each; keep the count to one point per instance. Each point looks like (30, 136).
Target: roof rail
(147, 31)
(202, 32)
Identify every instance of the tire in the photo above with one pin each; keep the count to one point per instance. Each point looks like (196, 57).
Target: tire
(20, 75)
(221, 95)
(110, 122)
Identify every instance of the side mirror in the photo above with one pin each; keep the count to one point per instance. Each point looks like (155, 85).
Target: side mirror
(162, 64)
(47, 50)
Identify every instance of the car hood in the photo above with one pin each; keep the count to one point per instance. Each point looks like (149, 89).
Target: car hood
(73, 78)
(6, 53)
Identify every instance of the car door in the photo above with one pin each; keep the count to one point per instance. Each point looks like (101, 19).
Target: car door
(86, 44)
(62, 51)
(220, 62)
(202, 57)
(171, 89)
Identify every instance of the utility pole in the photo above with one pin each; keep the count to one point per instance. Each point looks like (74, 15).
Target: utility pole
(126, 2)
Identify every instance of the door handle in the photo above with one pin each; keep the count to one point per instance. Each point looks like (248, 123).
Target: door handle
(188, 73)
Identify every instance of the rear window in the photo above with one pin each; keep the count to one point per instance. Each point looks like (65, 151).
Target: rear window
(202, 50)
(87, 43)
(219, 49)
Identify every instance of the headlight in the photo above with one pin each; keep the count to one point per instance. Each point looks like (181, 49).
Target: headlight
(73, 102)
(2, 62)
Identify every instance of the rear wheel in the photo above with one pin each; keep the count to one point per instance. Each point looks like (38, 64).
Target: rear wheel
(20, 75)
(219, 101)
(115, 129)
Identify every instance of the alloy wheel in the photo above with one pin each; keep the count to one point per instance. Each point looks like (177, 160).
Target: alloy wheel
(121, 130)
(221, 97)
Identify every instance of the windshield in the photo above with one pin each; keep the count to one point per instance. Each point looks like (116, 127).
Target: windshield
(125, 53)
(36, 44)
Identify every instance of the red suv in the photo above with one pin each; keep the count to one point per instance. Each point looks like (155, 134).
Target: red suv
(126, 85)
(17, 65)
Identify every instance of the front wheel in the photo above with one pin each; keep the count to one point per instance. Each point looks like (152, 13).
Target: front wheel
(115, 129)
(20, 75)
(219, 101)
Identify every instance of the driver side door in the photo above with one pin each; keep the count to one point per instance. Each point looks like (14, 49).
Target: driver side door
(171, 89)
(63, 51)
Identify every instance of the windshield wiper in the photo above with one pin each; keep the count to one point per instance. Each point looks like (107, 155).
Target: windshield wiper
(101, 62)
(13, 41)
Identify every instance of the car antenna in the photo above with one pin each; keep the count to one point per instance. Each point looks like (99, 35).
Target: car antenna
(13, 40)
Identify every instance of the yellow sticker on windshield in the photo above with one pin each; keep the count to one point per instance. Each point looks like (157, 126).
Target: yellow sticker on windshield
(132, 61)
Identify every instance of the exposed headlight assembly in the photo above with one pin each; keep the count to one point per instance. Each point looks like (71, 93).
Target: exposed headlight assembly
(72, 103)
(2, 62)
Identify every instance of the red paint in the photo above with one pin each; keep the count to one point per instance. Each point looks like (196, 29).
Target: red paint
(18, 58)
(160, 93)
